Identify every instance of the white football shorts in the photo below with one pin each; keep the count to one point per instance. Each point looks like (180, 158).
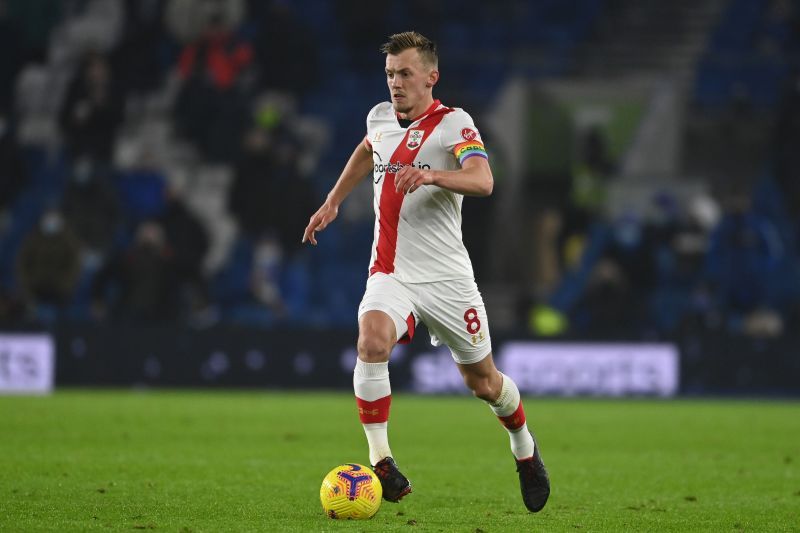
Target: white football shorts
(452, 310)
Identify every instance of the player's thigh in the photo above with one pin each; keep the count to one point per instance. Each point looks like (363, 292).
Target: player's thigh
(385, 294)
(455, 315)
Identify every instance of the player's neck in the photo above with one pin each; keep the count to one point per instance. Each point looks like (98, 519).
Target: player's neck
(420, 109)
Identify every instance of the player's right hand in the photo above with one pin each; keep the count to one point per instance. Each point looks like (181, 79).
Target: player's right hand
(319, 221)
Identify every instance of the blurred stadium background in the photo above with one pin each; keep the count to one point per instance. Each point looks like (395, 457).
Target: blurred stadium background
(159, 160)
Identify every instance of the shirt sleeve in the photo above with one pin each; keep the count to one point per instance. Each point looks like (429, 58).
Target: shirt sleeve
(367, 144)
(370, 127)
(461, 137)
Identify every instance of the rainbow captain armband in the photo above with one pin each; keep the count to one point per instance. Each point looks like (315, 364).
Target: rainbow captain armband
(468, 149)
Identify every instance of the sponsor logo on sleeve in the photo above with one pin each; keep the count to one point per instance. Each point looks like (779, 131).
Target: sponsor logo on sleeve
(469, 134)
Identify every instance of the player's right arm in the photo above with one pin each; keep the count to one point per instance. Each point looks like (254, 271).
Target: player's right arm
(358, 166)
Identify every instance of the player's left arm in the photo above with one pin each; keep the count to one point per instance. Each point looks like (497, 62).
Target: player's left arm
(474, 178)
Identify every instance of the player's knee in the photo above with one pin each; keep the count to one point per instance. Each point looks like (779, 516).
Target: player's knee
(372, 348)
(482, 388)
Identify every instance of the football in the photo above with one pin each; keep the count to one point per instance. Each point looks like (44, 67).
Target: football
(351, 491)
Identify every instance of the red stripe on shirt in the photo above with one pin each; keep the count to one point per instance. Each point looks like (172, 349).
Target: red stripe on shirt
(391, 201)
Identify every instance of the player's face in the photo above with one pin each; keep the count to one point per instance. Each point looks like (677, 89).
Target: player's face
(410, 82)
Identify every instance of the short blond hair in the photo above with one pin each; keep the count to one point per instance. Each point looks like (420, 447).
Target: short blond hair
(411, 39)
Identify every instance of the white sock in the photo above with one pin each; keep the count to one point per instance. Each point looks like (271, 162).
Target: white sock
(378, 440)
(374, 396)
(508, 408)
(522, 444)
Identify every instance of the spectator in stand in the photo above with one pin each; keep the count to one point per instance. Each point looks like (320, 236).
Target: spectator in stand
(188, 243)
(92, 110)
(607, 306)
(139, 284)
(786, 139)
(681, 298)
(633, 248)
(212, 105)
(265, 274)
(13, 171)
(591, 171)
(48, 263)
(33, 23)
(91, 207)
(12, 309)
(776, 26)
(136, 58)
(617, 286)
(269, 198)
(12, 59)
(744, 258)
(268, 195)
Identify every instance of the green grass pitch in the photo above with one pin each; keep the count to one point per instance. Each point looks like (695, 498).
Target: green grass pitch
(253, 461)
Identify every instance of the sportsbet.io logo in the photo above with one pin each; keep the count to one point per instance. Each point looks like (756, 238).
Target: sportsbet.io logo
(394, 168)
(382, 168)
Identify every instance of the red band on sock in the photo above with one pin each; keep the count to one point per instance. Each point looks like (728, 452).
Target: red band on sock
(514, 420)
(374, 412)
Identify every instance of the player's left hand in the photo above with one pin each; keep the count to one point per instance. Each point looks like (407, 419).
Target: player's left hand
(409, 179)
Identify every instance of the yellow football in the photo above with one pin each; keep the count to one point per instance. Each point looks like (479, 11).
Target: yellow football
(351, 491)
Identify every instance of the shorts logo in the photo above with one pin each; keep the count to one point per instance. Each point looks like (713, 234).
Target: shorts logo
(468, 134)
(377, 137)
(414, 139)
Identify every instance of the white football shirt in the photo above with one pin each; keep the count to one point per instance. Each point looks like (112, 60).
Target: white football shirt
(417, 237)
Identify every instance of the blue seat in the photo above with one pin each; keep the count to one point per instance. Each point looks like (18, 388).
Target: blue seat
(142, 193)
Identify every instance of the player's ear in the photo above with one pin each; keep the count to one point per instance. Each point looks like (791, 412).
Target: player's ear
(433, 78)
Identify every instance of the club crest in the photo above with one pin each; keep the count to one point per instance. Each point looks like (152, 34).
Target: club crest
(414, 139)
